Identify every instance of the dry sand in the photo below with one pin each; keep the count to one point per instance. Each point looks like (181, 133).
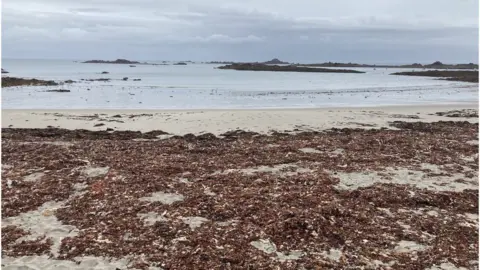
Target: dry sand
(181, 122)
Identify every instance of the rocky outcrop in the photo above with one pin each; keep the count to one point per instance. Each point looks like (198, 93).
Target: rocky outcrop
(291, 68)
(59, 90)
(450, 75)
(275, 61)
(13, 81)
(118, 61)
(97, 80)
(435, 65)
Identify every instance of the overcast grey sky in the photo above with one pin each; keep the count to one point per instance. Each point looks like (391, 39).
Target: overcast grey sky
(367, 31)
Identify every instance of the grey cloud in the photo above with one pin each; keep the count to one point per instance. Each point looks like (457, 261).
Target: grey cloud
(394, 30)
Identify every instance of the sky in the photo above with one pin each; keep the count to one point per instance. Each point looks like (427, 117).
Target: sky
(305, 31)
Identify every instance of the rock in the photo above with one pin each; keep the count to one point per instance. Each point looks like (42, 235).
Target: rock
(99, 125)
(4, 71)
(69, 81)
(275, 61)
(450, 75)
(58, 90)
(13, 81)
(290, 68)
(97, 80)
(125, 78)
(136, 80)
(180, 64)
(118, 61)
(105, 72)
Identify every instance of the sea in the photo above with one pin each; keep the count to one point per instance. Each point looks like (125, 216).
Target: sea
(203, 86)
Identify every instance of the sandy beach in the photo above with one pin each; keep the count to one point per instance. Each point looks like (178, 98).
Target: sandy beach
(376, 188)
(182, 122)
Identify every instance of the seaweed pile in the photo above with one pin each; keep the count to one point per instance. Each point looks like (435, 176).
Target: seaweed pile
(245, 200)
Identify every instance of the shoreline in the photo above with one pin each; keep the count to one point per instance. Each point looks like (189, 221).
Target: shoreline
(462, 105)
(218, 121)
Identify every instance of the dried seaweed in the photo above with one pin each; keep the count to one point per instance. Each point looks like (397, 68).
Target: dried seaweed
(247, 187)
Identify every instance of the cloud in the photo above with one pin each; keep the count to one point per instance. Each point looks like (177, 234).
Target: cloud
(243, 29)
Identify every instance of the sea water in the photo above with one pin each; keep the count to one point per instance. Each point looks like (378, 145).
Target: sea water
(203, 86)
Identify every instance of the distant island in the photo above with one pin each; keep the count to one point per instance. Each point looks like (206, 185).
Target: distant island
(450, 75)
(221, 62)
(275, 61)
(290, 68)
(118, 61)
(435, 65)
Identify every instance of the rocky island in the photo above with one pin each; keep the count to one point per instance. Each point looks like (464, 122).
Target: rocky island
(290, 68)
(275, 61)
(118, 61)
(450, 75)
(434, 65)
